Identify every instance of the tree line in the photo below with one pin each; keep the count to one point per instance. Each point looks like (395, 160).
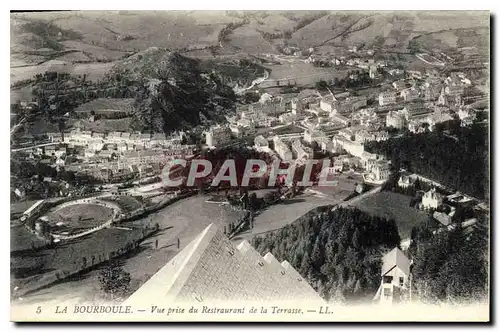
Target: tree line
(339, 252)
(456, 159)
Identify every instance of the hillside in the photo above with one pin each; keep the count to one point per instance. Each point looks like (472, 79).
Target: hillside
(112, 35)
(339, 252)
(174, 91)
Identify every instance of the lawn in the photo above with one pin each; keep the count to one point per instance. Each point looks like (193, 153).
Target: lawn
(79, 216)
(22, 239)
(393, 205)
(29, 269)
(102, 125)
(301, 73)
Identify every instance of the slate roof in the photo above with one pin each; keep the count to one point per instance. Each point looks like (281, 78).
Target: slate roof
(212, 269)
(394, 258)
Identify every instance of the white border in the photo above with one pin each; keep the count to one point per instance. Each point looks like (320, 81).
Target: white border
(207, 5)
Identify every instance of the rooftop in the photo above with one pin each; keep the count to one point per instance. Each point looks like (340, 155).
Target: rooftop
(211, 268)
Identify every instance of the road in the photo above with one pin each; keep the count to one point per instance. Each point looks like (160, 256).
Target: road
(33, 147)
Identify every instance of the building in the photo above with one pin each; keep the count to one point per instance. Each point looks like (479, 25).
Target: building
(325, 144)
(338, 165)
(432, 199)
(416, 127)
(312, 135)
(345, 121)
(405, 181)
(409, 94)
(399, 85)
(218, 135)
(380, 172)
(373, 71)
(444, 218)
(396, 278)
(212, 270)
(395, 119)
(364, 136)
(286, 118)
(327, 103)
(352, 147)
(261, 144)
(437, 117)
(282, 149)
(387, 98)
(299, 150)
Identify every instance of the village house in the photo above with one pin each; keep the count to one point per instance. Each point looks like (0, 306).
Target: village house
(325, 144)
(261, 144)
(312, 135)
(387, 98)
(287, 118)
(364, 136)
(299, 150)
(338, 165)
(218, 135)
(405, 181)
(396, 279)
(409, 94)
(444, 218)
(379, 173)
(396, 119)
(50, 150)
(344, 121)
(431, 199)
(282, 149)
(352, 147)
(55, 137)
(399, 85)
(437, 117)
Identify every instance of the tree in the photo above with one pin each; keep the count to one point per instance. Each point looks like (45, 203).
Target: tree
(114, 280)
(321, 85)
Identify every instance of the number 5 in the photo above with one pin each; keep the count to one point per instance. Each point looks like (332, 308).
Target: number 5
(38, 310)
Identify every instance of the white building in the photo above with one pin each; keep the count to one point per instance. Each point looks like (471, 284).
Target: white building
(218, 135)
(396, 280)
(352, 147)
(409, 94)
(387, 98)
(261, 144)
(282, 149)
(432, 199)
(327, 103)
(438, 117)
(396, 119)
(287, 118)
(405, 181)
(326, 144)
(299, 150)
(312, 135)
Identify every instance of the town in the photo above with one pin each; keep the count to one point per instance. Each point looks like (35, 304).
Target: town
(89, 190)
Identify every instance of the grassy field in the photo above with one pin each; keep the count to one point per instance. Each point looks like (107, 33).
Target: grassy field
(94, 71)
(22, 239)
(79, 217)
(102, 125)
(108, 105)
(393, 205)
(301, 73)
(30, 267)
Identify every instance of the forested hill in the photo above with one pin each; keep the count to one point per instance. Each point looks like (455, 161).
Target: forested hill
(339, 252)
(457, 158)
(451, 266)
